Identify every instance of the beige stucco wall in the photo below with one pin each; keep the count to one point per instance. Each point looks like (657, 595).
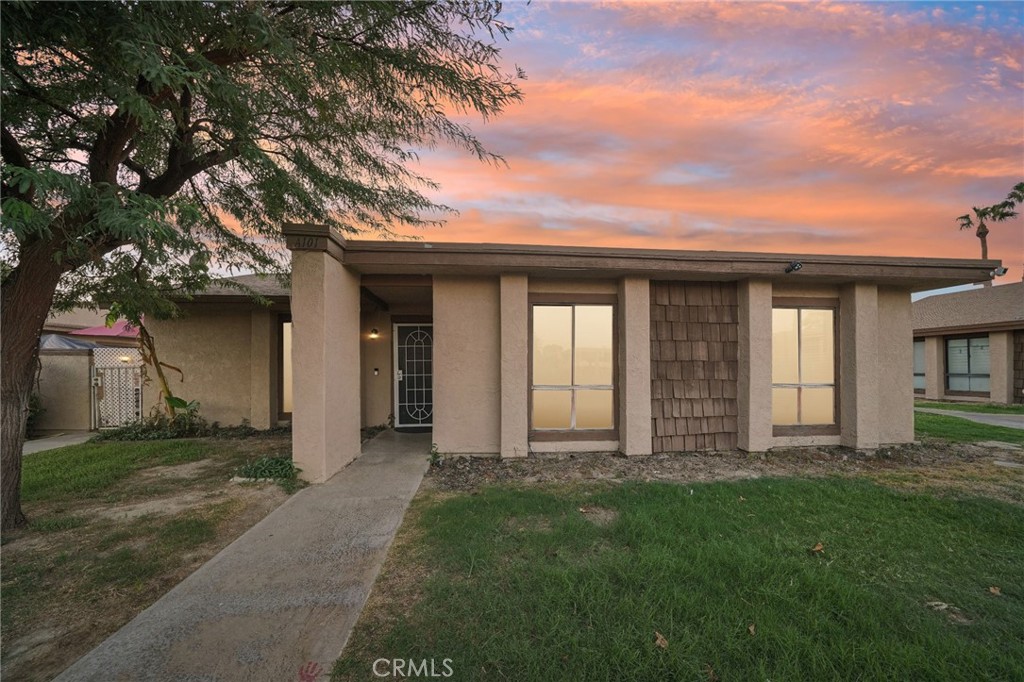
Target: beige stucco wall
(572, 286)
(377, 374)
(325, 365)
(212, 345)
(895, 367)
(65, 391)
(515, 419)
(634, 351)
(467, 365)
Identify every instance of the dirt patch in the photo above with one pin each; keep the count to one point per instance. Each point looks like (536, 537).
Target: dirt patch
(959, 466)
(955, 615)
(172, 504)
(187, 470)
(600, 516)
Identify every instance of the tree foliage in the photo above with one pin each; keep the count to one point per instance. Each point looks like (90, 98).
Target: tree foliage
(144, 141)
(996, 213)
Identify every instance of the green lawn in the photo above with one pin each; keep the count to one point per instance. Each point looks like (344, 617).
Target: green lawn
(516, 583)
(986, 408)
(960, 430)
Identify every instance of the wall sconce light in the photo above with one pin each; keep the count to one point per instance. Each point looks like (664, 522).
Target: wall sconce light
(794, 266)
(125, 359)
(374, 334)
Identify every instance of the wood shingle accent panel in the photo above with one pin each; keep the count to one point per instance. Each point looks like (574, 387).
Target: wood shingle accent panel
(694, 347)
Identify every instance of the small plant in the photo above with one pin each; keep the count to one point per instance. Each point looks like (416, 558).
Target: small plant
(159, 426)
(281, 470)
(35, 411)
(436, 459)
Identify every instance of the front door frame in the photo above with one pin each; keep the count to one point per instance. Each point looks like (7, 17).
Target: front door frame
(394, 379)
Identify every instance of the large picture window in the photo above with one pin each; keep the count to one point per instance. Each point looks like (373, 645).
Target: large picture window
(803, 367)
(573, 385)
(967, 365)
(919, 380)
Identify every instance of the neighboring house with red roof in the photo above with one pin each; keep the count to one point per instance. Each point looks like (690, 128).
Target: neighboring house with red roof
(969, 345)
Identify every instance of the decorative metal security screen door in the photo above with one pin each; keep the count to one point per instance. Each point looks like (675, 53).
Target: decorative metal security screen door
(414, 374)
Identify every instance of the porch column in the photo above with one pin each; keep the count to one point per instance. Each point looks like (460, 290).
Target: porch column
(754, 381)
(635, 366)
(1000, 348)
(858, 366)
(934, 368)
(325, 353)
(514, 371)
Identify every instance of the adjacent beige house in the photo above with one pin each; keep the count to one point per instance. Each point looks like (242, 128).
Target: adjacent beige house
(505, 350)
(969, 345)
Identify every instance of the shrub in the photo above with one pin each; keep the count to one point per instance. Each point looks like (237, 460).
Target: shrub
(158, 426)
(281, 470)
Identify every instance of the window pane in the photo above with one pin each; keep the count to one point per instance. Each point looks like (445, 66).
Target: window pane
(979, 384)
(552, 345)
(286, 367)
(918, 357)
(551, 409)
(956, 357)
(593, 346)
(784, 406)
(817, 358)
(816, 406)
(919, 381)
(594, 410)
(978, 349)
(959, 383)
(784, 346)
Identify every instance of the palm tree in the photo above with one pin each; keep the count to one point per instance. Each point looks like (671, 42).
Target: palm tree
(995, 213)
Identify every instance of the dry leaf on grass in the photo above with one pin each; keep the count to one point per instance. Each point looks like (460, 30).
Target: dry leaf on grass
(659, 640)
(752, 629)
(818, 549)
(710, 672)
(995, 590)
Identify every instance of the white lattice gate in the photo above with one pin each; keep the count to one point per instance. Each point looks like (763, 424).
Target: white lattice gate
(116, 387)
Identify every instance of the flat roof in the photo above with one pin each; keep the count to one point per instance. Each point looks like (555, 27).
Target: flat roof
(457, 258)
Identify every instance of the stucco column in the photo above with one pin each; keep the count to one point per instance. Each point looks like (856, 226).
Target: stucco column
(754, 382)
(261, 366)
(934, 368)
(1000, 349)
(858, 366)
(515, 422)
(635, 366)
(325, 356)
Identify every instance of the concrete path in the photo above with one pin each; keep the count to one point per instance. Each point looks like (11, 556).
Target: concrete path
(284, 594)
(1013, 421)
(58, 441)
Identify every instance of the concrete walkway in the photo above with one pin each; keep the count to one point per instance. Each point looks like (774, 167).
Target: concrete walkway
(284, 594)
(1013, 421)
(58, 441)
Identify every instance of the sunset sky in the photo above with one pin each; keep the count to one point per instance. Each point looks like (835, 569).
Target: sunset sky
(826, 128)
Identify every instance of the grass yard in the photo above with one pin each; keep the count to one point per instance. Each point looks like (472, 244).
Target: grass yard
(984, 408)
(927, 425)
(578, 581)
(112, 527)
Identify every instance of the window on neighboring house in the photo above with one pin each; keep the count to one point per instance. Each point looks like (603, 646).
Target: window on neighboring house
(919, 366)
(967, 365)
(572, 369)
(804, 368)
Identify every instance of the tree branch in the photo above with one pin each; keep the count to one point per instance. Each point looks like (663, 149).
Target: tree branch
(15, 155)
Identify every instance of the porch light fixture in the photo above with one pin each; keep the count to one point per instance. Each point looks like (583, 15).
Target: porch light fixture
(794, 266)
(998, 272)
(125, 359)
(374, 334)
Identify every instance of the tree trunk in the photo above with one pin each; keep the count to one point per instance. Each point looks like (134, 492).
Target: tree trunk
(983, 237)
(25, 300)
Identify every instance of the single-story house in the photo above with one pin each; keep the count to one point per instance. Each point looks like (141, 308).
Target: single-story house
(509, 349)
(969, 345)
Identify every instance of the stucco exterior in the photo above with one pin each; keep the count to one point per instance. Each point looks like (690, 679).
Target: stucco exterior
(467, 365)
(222, 380)
(65, 391)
